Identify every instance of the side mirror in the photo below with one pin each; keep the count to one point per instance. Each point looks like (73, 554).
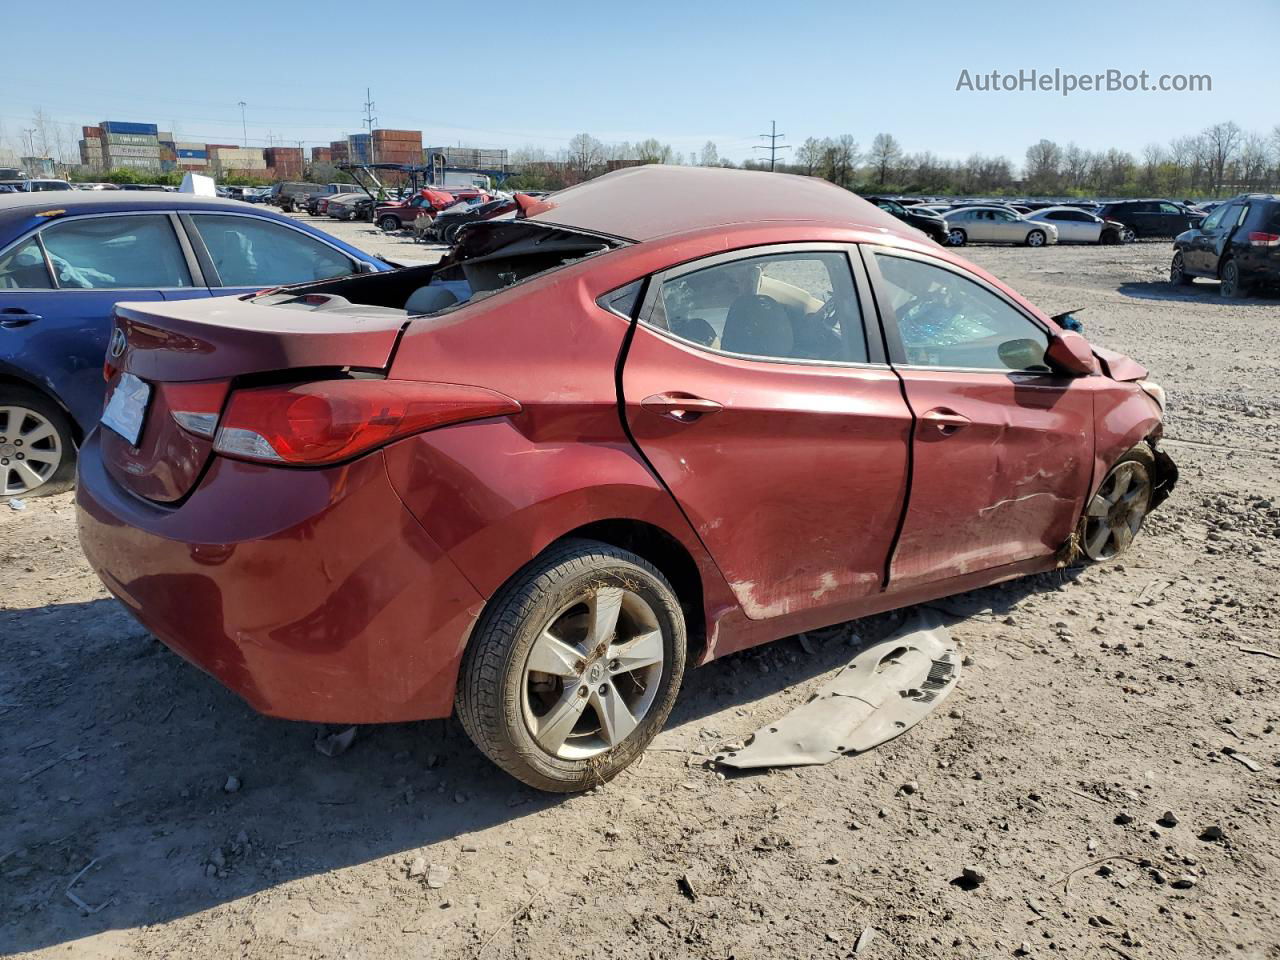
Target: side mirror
(1071, 354)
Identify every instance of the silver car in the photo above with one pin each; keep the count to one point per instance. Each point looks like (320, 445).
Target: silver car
(1076, 225)
(996, 225)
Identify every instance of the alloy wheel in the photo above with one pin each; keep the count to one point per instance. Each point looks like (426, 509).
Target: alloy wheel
(1177, 270)
(592, 673)
(956, 238)
(1230, 279)
(1035, 239)
(30, 450)
(1129, 235)
(1116, 512)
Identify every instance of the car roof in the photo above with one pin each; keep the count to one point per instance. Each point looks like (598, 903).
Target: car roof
(104, 201)
(656, 200)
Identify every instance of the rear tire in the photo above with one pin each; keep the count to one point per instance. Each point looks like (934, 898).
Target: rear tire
(1232, 283)
(572, 586)
(389, 223)
(957, 237)
(37, 445)
(1128, 235)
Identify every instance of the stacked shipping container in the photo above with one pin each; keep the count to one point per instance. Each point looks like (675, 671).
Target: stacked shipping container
(472, 158)
(284, 163)
(321, 155)
(133, 145)
(247, 161)
(397, 146)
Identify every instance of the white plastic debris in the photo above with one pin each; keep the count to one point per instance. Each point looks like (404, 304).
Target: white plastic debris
(887, 689)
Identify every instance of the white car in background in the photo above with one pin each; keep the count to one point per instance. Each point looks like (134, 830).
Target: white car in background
(1078, 226)
(996, 225)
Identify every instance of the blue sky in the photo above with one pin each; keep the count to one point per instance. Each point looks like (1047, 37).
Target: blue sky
(528, 74)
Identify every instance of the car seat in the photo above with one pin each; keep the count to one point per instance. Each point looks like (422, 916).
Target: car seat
(759, 326)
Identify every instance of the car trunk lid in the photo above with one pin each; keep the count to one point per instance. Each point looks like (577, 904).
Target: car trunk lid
(189, 355)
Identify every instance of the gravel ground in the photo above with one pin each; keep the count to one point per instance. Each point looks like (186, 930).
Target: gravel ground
(1095, 702)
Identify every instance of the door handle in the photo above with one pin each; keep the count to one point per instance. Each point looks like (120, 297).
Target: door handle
(17, 317)
(681, 407)
(946, 420)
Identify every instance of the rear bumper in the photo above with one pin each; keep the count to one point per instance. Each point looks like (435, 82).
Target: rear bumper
(313, 594)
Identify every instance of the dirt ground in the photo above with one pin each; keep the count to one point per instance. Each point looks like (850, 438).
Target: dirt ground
(1093, 702)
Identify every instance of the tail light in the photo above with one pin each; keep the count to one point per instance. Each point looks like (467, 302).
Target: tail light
(318, 423)
(1260, 239)
(196, 406)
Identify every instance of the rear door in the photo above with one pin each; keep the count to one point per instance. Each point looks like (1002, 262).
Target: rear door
(58, 335)
(1002, 447)
(756, 387)
(243, 254)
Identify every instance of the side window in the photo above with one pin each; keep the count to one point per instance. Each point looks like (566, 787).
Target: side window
(1244, 213)
(790, 306)
(116, 253)
(249, 252)
(946, 320)
(1211, 222)
(23, 268)
(1169, 208)
(1058, 215)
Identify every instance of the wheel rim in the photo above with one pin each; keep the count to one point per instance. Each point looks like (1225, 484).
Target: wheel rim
(30, 450)
(1175, 268)
(1129, 236)
(593, 673)
(1229, 280)
(1035, 238)
(956, 238)
(1116, 511)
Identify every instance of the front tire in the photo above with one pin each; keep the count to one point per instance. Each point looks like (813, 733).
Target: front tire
(573, 667)
(1116, 512)
(37, 445)
(1178, 275)
(1036, 238)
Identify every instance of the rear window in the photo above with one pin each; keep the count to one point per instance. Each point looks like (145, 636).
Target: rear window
(116, 253)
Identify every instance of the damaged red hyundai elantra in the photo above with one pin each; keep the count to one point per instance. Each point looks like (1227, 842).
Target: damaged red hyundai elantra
(654, 419)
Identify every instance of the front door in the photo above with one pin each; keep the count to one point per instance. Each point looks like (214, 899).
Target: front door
(755, 385)
(1002, 445)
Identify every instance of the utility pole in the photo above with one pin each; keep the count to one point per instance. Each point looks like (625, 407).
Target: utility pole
(773, 146)
(244, 127)
(369, 120)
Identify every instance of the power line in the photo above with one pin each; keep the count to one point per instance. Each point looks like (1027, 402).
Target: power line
(773, 146)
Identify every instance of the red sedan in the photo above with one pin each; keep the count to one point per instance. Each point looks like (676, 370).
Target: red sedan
(659, 417)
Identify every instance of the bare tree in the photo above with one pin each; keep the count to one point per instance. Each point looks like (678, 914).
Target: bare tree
(710, 155)
(884, 156)
(809, 156)
(586, 153)
(1154, 159)
(1222, 142)
(651, 151)
(1043, 168)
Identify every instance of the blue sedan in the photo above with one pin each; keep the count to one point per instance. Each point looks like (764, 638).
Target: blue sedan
(66, 259)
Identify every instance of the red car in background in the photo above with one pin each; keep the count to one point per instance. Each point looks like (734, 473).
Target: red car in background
(660, 417)
(425, 203)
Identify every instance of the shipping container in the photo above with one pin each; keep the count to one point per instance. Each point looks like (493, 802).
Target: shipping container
(188, 154)
(114, 150)
(117, 126)
(91, 133)
(189, 145)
